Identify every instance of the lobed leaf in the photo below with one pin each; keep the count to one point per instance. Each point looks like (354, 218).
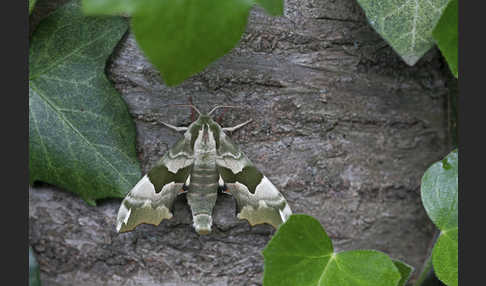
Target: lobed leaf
(405, 24)
(81, 136)
(301, 253)
(446, 35)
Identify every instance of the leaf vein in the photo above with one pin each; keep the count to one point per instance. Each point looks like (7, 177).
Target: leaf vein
(73, 52)
(66, 122)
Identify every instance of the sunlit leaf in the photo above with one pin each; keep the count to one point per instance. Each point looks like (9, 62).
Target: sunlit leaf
(301, 253)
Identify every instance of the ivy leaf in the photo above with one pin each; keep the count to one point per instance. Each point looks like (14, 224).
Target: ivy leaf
(31, 5)
(81, 136)
(405, 271)
(183, 37)
(301, 253)
(440, 192)
(34, 276)
(446, 35)
(440, 199)
(405, 24)
(445, 258)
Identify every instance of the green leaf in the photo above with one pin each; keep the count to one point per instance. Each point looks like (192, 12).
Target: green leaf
(439, 197)
(405, 24)
(405, 271)
(110, 7)
(301, 253)
(445, 257)
(446, 35)
(81, 136)
(31, 5)
(34, 275)
(181, 38)
(440, 192)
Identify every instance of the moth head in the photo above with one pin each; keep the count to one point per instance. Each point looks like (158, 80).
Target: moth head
(205, 121)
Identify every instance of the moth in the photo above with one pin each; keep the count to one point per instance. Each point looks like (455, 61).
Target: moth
(201, 164)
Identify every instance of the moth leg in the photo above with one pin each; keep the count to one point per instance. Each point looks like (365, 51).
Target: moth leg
(222, 188)
(175, 127)
(231, 129)
(185, 187)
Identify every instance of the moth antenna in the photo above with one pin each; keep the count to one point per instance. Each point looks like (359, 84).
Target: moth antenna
(225, 106)
(193, 114)
(189, 105)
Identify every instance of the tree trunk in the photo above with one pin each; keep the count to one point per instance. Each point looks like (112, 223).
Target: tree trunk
(341, 126)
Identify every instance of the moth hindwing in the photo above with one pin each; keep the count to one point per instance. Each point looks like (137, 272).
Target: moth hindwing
(197, 165)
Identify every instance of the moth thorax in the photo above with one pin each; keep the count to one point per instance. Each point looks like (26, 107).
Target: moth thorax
(205, 141)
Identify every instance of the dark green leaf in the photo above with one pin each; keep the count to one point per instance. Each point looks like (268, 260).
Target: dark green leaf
(301, 253)
(406, 25)
(445, 257)
(446, 35)
(440, 192)
(405, 271)
(31, 5)
(81, 136)
(34, 275)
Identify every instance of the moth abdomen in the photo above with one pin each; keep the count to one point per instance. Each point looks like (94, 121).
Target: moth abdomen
(201, 196)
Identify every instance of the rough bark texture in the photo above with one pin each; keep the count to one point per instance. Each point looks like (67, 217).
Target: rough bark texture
(340, 124)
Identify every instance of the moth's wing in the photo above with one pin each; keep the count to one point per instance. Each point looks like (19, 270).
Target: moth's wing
(152, 197)
(258, 199)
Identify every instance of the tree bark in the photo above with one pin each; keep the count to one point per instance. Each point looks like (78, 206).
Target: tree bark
(341, 126)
